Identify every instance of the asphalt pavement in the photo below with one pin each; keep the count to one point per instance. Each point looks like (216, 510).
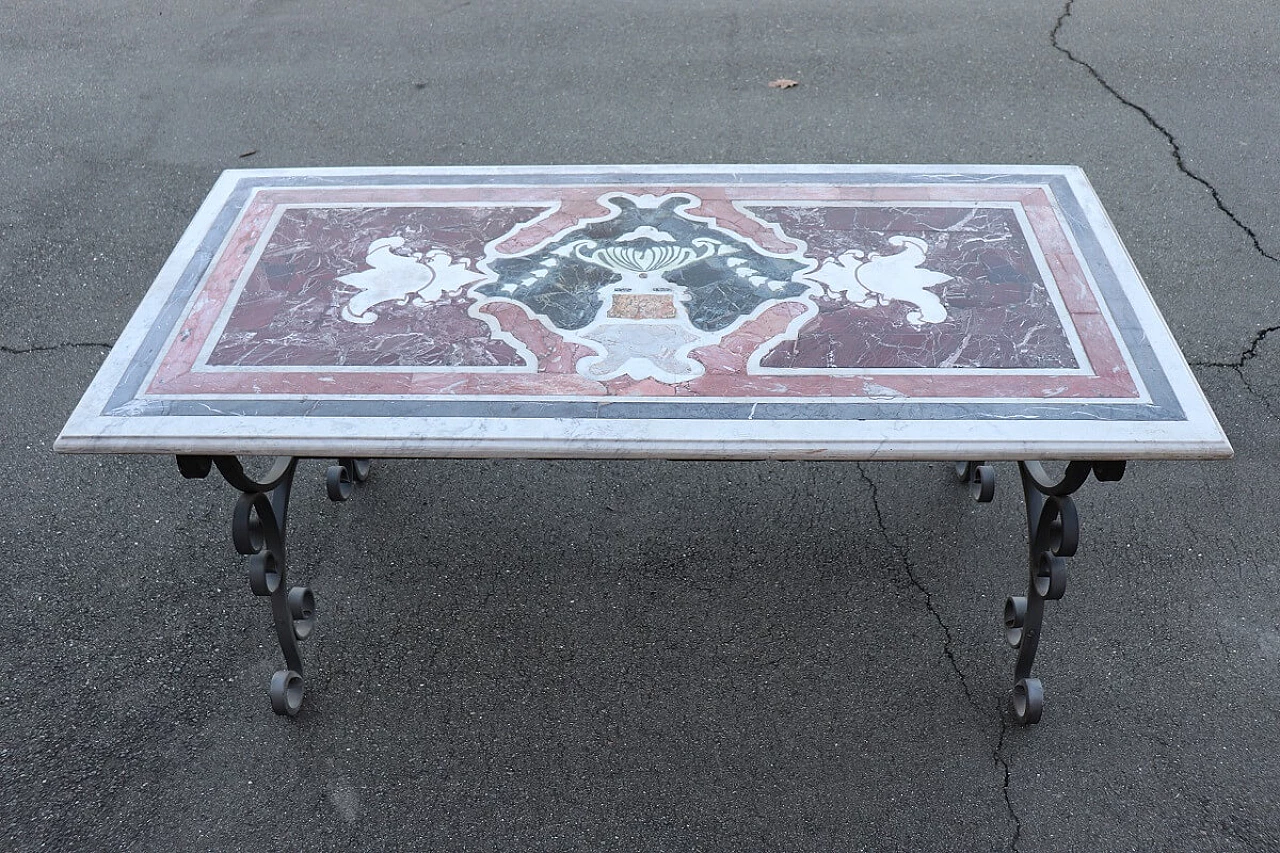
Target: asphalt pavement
(531, 655)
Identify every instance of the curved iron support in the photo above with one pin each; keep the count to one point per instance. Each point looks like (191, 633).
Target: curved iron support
(1053, 535)
(258, 531)
(981, 479)
(233, 472)
(341, 479)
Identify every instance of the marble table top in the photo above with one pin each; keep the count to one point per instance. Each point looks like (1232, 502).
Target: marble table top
(742, 312)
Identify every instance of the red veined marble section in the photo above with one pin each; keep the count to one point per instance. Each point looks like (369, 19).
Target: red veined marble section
(1002, 309)
(289, 312)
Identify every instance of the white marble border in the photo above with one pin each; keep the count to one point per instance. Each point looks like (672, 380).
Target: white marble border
(1163, 345)
(608, 172)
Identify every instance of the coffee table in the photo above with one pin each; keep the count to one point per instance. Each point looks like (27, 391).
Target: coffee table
(858, 313)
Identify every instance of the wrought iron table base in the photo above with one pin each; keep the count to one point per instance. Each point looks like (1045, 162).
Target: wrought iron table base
(261, 513)
(1053, 533)
(258, 531)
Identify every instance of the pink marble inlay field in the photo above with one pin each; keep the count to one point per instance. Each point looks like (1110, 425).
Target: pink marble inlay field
(655, 291)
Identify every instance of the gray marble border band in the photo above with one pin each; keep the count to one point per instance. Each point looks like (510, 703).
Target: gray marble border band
(696, 409)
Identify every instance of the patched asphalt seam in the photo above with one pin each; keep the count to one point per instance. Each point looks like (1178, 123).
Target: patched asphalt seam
(905, 559)
(53, 347)
(1251, 350)
(909, 570)
(1237, 366)
(1151, 120)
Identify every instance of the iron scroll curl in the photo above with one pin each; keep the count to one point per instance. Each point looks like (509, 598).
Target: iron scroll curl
(1053, 536)
(258, 531)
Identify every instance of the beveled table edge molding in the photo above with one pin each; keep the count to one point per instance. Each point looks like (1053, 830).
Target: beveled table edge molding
(729, 440)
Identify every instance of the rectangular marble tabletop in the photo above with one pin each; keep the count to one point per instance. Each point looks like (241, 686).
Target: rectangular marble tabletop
(844, 312)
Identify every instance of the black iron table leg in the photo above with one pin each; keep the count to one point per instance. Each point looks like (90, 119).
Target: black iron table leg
(1053, 534)
(258, 526)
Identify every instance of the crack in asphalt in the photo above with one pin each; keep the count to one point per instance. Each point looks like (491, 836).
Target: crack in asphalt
(1249, 352)
(1151, 120)
(1003, 762)
(947, 650)
(909, 570)
(1252, 349)
(53, 347)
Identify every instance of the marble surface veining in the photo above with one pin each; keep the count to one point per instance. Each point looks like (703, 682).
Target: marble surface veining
(668, 289)
(290, 310)
(569, 294)
(999, 310)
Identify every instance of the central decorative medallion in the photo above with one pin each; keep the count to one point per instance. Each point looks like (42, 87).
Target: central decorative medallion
(645, 286)
(642, 327)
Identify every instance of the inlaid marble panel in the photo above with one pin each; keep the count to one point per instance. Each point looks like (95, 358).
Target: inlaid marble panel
(708, 311)
(993, 307)
(643, 290)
